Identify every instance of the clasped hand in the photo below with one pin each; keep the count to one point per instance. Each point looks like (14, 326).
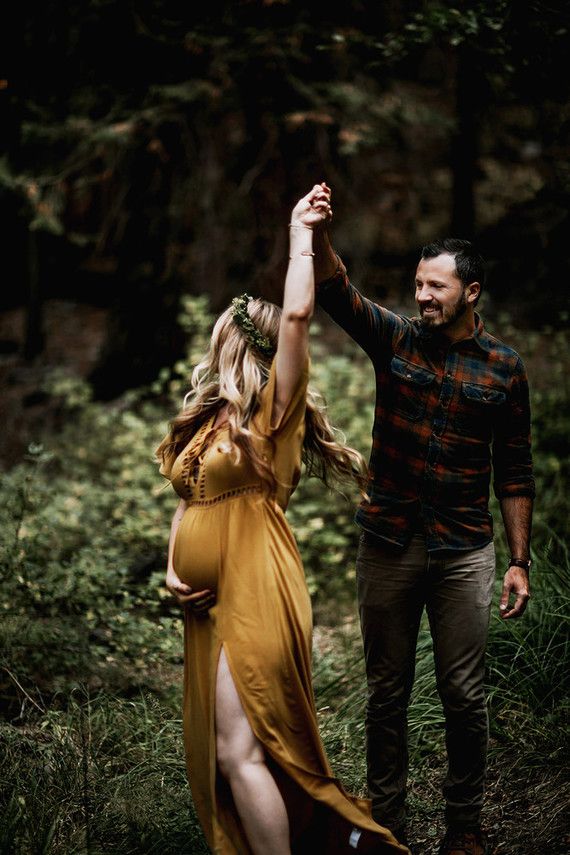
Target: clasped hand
(314, 209)
(199, 602)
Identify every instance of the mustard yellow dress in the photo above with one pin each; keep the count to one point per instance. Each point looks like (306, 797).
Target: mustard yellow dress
(236, 541)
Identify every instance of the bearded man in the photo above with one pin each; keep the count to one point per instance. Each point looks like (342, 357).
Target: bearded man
(451, 406)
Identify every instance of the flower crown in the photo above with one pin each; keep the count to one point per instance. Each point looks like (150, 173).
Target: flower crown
(242, 318)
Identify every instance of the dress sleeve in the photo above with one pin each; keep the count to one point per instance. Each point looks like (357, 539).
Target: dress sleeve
(294, 414)
(166, 460)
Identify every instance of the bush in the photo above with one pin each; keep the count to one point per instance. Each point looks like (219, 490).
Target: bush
(89, 633)
(101, 774)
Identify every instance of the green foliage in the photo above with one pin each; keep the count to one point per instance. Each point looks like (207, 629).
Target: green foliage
(91, 644)
(101, 774)
(528, 684)
(71, 141)
(323, 523)
(448, 23)
(84, 520)
(83, 537)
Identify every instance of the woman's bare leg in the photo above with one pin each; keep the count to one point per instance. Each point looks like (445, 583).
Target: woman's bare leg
(242, 762)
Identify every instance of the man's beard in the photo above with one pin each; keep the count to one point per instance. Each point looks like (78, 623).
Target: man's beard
(444, 317)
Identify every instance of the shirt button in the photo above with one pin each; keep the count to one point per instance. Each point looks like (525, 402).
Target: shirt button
(409, 376)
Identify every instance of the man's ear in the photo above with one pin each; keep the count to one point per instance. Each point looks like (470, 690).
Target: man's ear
(473, 291)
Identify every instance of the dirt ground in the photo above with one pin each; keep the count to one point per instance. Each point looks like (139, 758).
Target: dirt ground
(526, 807)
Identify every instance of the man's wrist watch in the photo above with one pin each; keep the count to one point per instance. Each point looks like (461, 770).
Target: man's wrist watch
(520, 562)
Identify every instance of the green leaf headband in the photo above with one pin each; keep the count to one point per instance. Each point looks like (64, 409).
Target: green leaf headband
(242, 318)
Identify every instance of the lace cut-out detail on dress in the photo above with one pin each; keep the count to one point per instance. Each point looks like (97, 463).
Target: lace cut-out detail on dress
(229, 494)
(193, 472)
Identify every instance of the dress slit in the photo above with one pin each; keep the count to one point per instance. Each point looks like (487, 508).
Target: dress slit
(225, 811)
(298, 803)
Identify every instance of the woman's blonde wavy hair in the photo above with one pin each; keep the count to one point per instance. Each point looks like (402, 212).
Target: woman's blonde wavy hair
(233, 372)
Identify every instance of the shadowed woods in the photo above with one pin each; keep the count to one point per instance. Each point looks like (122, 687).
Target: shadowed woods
(142, 188)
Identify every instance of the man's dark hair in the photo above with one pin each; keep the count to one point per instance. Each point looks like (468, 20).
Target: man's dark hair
(469, 264)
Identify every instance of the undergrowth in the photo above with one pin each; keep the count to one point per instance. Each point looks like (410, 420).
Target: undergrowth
(91, 754)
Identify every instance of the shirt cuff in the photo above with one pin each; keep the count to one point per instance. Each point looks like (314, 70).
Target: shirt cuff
(505, 491)
(338, 276)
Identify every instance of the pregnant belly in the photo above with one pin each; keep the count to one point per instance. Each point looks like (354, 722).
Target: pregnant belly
(196, 550)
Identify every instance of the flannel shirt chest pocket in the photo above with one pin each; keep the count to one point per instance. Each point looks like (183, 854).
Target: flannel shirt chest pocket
(478, 410)
(410, 387)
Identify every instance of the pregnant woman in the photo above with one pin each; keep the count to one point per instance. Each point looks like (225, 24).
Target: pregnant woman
(260, 779)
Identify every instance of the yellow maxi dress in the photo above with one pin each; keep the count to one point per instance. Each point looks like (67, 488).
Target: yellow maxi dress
(236, 541)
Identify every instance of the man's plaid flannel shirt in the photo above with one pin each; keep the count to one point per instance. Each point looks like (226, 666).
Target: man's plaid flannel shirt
(444, 413)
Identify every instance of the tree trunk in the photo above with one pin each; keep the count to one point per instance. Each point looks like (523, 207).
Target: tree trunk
(465, 145)
(35, 338)
(142, 335)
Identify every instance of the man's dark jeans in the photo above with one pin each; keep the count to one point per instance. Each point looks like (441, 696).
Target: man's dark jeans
(393, 588)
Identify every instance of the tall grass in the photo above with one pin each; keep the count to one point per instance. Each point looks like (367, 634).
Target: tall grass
(528, 679)
(91, 753)
(106, 773)
(102, 774)
(528, 696)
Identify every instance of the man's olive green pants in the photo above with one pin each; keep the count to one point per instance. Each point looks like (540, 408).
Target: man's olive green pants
(393, 589)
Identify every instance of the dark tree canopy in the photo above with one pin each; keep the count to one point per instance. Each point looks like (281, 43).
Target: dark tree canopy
(155, 148)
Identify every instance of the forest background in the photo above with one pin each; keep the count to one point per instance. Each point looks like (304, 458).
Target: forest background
(151, 155)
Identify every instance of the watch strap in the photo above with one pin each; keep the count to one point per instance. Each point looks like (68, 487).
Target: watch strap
(520, 562)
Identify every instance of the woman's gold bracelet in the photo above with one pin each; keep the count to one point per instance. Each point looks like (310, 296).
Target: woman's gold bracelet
(295, 226)
(309, 254)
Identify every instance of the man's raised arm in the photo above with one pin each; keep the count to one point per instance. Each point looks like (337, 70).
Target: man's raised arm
(371, 326)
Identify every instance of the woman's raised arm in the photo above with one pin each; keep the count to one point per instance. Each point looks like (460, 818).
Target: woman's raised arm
(309, 213)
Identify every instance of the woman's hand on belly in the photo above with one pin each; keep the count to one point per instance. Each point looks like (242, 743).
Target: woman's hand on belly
(199, 602)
